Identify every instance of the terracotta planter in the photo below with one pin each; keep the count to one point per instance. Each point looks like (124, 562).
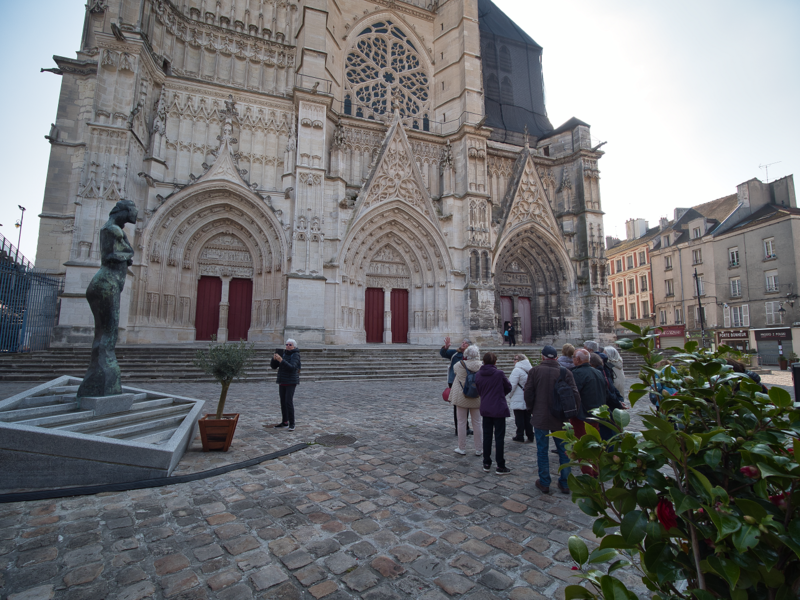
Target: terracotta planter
(784, 364)
(217, 434)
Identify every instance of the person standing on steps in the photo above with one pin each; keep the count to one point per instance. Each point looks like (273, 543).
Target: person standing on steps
(454, 356)
(509, 333)
(467, 405)
(493, 386)
(538, 397)
(288, 367)
(516, 400)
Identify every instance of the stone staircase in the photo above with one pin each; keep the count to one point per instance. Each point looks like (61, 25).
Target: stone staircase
(173, 363)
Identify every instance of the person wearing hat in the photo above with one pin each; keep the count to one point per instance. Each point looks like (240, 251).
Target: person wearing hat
(538, 395)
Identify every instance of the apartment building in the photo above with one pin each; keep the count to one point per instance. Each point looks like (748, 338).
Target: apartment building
(727, 271)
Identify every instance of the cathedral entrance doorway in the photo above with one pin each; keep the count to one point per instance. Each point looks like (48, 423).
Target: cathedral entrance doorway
(373, 315)
(209, 295)
(241, 303)
(399, 304)
(506, 311)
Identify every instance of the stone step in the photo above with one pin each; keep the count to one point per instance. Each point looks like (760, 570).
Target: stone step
(98, 425)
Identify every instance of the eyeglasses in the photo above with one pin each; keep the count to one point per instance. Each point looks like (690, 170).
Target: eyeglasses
(290, 344)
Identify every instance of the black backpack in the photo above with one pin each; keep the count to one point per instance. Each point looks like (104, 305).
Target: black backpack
(470, 389)
(563, 406)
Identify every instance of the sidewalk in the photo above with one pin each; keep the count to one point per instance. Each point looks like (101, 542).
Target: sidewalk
(397, 514)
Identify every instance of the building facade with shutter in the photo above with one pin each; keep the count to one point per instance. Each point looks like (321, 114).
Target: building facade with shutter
(337, 172)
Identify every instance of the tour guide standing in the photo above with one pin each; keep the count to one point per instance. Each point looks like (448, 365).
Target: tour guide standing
(538, 397)
(493, 387)
(454, 356)
(288, 367)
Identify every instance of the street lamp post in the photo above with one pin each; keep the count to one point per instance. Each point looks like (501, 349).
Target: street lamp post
(19, 225)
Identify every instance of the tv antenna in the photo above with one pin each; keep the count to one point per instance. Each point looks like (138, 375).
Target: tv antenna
(766, 168)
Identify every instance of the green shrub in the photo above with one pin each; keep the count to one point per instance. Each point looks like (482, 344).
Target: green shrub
(225, 362)
(705, 497)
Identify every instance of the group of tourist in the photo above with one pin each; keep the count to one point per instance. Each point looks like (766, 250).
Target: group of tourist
(477, 389)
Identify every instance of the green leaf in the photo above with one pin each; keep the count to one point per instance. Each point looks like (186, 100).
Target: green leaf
(727, 569)
(768, 471)
(613, 588)
(621, 417)
(617, 565)
(683, 502)
(588, 506)
(601, 555)
(599, 528)
(751, 508)
(702, 594)
(746, 537)
(652, 556)
(797, 449)
(632, 327)
(633, 527)
(615, 541)
(780, 397)
(578, 550)
(703, 481)
(792, 540)
(690, 346)
(577, 592)
(592, 431)
(713, 457)
(647, 497)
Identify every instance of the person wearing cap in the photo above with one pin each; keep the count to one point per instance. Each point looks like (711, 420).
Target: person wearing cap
(538, 396)
(455, 357)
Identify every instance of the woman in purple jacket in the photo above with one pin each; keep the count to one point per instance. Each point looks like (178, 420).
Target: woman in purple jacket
(493, 386)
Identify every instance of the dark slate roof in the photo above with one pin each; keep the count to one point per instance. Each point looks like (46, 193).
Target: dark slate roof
(715, 211)
(571, 124)
(770, 212)
(628, 244)
(494, 20)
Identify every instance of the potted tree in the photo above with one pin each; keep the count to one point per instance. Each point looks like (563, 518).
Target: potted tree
(753, 357)
(783, 362)
(224, 362)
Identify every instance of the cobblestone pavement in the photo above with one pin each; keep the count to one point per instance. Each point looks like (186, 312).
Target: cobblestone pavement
(395, 515)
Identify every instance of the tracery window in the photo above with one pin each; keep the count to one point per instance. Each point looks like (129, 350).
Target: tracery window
(492, 87)
(505, 59)
(385, 64)
(507, 91)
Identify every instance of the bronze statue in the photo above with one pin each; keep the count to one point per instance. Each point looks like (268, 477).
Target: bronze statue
(102, 377)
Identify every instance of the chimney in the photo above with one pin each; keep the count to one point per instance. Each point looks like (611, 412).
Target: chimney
(611, 241)
(635, 228)
(663, 223)
(679, 212)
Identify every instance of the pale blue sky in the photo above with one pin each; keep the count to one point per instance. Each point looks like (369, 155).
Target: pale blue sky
(691, 96)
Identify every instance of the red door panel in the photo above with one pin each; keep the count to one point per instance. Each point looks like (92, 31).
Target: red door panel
(506, 311)
(206, 319)
(525, 319)
(373, 315)
(399, 303)
(240, 300)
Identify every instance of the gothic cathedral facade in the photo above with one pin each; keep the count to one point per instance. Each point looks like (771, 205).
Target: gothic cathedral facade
(336, 171)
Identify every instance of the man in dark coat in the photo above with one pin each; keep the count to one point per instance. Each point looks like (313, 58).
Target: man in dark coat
(493, 387)
(288, 379)
(538, 396)
(592, 388)
(454, 356)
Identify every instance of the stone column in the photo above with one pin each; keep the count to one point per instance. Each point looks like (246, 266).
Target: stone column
(224, 305)
(387, 315)
(515, 318)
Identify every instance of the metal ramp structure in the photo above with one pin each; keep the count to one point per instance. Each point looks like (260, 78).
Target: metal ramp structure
(47, 440)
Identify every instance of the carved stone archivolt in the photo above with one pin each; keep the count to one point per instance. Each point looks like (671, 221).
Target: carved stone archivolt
(530, 203)
(225, 255)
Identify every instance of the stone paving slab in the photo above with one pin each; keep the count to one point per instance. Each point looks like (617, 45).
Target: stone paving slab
(397, 514)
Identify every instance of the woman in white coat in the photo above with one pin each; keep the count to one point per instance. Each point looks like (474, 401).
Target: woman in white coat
(467, 405)
(615, 362)
(516, 399)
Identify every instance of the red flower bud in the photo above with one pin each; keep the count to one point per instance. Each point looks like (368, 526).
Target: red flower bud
(780, 500)
(665, 512)
(750, 471)
(574, 568)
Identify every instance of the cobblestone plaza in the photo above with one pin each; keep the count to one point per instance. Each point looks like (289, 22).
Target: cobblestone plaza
(397, 514)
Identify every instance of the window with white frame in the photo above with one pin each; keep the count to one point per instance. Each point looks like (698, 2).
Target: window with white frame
(699, 288)
(643, 283)
(619, 265)
(769, 248)
(630, 261)
(695, 233)
(645, 309)
(733, 257)
(662, 317)
(772, 280)
(642, 258)
(697, 256)
(669, 287)
(678, 316)
(621, 312)
(736, 287)
(665, 241)
(620, 289)
(667, 262)
(698, 312)
(773, 314)
(631, 287)
(740, 316)
(632, 310)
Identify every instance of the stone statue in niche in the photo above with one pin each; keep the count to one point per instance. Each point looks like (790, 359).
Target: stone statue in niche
(103, 294)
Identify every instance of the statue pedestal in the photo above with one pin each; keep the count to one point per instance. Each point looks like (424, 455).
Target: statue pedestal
(106, 405)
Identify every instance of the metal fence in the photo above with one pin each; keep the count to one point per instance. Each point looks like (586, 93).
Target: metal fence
(28, 306)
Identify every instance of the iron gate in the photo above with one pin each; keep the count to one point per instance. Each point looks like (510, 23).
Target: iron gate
(28, 307)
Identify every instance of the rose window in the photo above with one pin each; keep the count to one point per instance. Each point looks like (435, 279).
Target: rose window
(383, 65)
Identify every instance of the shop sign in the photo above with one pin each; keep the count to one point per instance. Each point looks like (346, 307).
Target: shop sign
(767, 335)
(671, 330)
(733, 334)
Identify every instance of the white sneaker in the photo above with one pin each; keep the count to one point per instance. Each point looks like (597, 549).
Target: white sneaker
(478, 452)
(460, 451)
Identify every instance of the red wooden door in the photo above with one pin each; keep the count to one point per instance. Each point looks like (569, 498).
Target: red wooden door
(240, 300)
(206, 318)
(506, 311)
(399, 303)
(525, 319)
(373, 315)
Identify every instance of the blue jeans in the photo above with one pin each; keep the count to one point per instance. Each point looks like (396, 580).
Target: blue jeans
(543, 460)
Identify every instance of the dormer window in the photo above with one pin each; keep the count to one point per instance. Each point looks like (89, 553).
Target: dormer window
(665, 240)
(696, 233)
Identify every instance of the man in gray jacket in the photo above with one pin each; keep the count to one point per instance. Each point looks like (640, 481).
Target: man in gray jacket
(538, 396)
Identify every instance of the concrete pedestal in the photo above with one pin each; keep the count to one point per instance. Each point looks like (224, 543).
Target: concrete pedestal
(106, 405)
